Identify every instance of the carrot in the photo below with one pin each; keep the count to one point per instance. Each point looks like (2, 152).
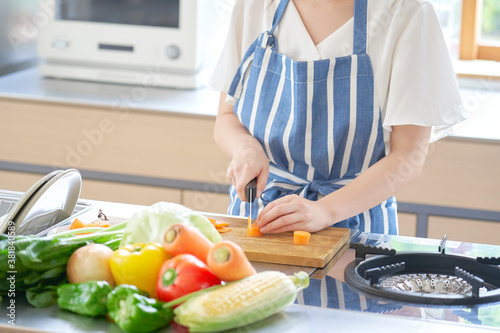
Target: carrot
(253, 231)
(228, 261)
(220, 224)
(98, 223)
(76, 224)
(180, 238)
(223, 229)
(301, 237)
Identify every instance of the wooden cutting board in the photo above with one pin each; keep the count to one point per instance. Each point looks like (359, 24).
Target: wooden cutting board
(280, 249)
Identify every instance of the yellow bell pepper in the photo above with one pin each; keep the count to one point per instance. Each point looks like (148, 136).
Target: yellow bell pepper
(138, 265)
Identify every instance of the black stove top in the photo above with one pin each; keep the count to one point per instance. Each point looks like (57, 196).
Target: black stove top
(424, 277)
(449, 281)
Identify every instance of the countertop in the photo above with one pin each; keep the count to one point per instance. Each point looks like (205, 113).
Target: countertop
(323, 307)
(481, 99)
(28, 85)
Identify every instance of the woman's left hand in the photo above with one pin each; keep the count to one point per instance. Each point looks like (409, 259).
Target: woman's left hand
(291, 213)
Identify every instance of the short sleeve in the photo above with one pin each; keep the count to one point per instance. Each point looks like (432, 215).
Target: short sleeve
(423, 89)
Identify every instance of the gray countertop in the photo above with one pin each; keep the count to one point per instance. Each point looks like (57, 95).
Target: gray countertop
(296, 318)
(28, 85)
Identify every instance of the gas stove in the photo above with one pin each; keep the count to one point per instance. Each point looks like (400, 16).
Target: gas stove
(414, 277)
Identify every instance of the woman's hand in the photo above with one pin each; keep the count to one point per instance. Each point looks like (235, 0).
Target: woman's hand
(291, 213)
(249, 162)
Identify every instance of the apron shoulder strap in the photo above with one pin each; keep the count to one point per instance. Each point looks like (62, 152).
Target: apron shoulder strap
(360, 26)
(278, 14)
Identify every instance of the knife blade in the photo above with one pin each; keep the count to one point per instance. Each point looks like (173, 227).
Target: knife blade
(250, 192)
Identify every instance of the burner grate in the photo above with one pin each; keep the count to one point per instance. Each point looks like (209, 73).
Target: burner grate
(428, 284)
(426, 278)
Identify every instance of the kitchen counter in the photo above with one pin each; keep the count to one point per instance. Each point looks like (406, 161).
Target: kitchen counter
(28, 85)
(326, 303)
(295, 319)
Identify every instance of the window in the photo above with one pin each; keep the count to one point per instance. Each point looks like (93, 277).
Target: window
(449, 14)
(480, 33)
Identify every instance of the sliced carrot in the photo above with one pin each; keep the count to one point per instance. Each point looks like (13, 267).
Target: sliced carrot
(223, 229)
(181, 238)
(301, 237)
(228, 261)
(76, 224)
(98, 223)
(220, 224)
(253, 231)
(103, 224)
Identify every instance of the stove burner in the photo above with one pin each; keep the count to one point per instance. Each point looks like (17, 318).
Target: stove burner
(428, 283)
(426, 278)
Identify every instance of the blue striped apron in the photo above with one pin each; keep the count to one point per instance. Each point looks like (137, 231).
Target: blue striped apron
(318, 122)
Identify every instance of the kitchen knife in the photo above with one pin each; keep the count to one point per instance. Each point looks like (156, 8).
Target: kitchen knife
(250, 191)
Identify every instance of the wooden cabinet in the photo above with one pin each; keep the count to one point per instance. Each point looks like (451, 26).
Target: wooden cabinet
(166, 154)
(458, 173)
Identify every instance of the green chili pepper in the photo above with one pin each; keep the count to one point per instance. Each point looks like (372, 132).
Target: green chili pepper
(134, 312)
(86, 298)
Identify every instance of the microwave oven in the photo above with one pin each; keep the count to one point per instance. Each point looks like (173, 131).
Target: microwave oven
(139, 42)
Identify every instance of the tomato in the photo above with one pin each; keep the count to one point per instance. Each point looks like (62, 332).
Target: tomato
(183, 274)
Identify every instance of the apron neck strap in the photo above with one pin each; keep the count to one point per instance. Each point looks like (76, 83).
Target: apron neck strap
(360, 26)
(360, 23)
(278, 14)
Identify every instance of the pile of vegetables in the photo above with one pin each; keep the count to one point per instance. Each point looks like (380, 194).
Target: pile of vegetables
(164, 264)
(40, 262)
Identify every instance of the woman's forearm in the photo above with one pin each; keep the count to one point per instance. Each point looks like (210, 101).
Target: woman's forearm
(248, 159)
(409, 145)
(229, 134)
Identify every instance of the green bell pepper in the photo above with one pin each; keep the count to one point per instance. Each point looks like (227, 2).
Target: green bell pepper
(86, 298)
(134, 312)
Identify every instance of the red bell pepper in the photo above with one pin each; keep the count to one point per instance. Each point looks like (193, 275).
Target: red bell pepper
(181, 275)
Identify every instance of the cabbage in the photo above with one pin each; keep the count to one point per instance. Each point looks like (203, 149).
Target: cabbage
(150, 224)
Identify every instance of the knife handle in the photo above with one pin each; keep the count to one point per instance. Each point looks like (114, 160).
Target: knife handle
(251, 190)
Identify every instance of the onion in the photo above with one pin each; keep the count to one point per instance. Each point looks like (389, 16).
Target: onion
(90, 263)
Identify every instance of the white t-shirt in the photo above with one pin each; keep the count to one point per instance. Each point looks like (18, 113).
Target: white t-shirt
(414, 78)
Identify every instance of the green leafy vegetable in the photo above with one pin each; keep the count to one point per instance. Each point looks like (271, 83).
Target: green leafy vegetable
(42, 296)
(39, 263)
(150, 224)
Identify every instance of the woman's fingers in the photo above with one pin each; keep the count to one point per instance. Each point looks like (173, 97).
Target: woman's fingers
(278, 214)
(248, 163)
(292, 213)
(262, 181)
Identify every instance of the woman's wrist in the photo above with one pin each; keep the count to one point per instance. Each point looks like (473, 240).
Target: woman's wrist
(331, 210)
(249, 147)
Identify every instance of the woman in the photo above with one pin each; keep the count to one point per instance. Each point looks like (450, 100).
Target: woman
(332, 108)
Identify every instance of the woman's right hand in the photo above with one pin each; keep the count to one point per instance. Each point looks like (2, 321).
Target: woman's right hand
(249, 162)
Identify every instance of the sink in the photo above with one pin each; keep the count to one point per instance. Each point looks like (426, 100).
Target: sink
(9, 198)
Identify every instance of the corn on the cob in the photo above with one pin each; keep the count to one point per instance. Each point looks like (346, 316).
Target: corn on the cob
(241, 302)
